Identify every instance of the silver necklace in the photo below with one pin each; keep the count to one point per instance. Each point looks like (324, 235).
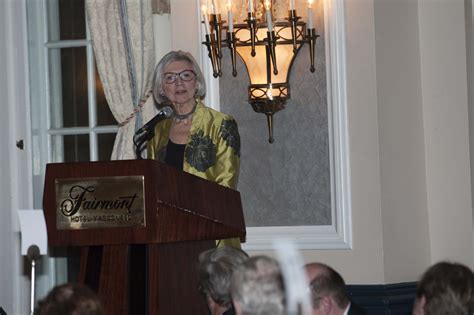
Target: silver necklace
(181, 117)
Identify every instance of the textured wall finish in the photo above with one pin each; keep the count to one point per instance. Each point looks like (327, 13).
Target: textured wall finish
(286, 183)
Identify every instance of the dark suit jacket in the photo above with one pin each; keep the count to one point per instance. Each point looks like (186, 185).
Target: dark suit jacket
(356, 310)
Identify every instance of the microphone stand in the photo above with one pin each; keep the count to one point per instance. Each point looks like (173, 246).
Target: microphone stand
(140, 139)
(33, 253)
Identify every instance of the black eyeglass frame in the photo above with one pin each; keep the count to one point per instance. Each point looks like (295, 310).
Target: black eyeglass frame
(180, 75)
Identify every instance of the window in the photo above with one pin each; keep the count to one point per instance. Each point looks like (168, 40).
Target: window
(71, 120)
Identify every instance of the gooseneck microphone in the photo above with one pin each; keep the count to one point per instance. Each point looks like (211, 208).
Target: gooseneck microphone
(147, 132)
(165, 112)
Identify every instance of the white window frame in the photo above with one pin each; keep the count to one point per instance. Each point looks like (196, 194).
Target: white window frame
(44, 133)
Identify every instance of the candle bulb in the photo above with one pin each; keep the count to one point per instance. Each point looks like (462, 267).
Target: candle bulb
(229, 16)
(206, 19)
(250, 6)
(214, 7)
(268, 15)
(292, 4)
(270, 93)
(310, 14)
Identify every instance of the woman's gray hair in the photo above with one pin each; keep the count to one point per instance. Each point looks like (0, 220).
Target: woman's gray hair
(172, 56)
(215, 269)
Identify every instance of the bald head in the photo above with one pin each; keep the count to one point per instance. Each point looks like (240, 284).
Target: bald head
(325, 282)
(314, 269)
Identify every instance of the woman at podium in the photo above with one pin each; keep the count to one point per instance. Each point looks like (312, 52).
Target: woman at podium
(196, 139)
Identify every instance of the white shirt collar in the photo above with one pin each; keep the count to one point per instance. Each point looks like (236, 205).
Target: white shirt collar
(346, 311)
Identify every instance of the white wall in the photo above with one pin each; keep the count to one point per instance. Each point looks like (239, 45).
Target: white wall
(402, 157)
(6, 233)
(470, 85)
(15, 178)
(445, 116)
(184, 26)
(162, 37)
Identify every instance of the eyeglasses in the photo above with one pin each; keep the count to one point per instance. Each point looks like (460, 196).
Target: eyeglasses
(185, 75)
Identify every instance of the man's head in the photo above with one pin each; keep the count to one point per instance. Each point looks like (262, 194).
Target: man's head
(445, 288)
(257, 287)
(215, 268)
(327, 289)
(70, 299)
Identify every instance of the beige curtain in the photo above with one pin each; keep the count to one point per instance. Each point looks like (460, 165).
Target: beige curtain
(122, 37)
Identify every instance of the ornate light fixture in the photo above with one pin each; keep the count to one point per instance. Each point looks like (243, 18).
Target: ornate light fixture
(267, 48)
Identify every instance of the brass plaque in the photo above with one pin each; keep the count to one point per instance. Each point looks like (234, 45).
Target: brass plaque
(100, 202)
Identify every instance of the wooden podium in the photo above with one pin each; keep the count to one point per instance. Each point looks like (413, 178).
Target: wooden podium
(146, 265)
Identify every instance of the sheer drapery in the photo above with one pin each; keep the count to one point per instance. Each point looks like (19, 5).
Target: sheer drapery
(122, 37)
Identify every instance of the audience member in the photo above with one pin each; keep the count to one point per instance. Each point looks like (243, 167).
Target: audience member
(215, 270)
(445, 288)
(70, 299)
(328, 292)
(257, 287)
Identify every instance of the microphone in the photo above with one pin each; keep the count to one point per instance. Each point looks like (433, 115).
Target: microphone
(165, 112)
(33, 252)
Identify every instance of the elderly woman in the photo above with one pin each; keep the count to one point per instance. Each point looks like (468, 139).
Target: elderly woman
(215, 269)
(197, 139)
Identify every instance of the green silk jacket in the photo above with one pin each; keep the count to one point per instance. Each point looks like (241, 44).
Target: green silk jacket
(213, 148)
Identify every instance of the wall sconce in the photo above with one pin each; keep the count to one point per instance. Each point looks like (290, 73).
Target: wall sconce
(267, 48)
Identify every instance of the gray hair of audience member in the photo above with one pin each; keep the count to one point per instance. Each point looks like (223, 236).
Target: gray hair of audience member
(448, 288)
(328, 282)
(70, 299)
(258, 288)
(215, 268)
(170, 57)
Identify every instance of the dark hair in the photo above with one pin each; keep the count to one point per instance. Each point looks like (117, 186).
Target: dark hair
(215, 270)
(328, 282)
(448, 288)
(70, 299)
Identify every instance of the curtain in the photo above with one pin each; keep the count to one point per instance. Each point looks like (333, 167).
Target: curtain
(122, 37)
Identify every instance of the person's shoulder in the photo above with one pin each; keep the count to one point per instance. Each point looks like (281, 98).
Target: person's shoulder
(216, 115)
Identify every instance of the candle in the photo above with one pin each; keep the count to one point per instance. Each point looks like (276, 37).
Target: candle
(292, 4)
(268, 15)
(250, 6)
(270, 93)
(214, 7)
(206, 19)
(229, 16)
(310, 14)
